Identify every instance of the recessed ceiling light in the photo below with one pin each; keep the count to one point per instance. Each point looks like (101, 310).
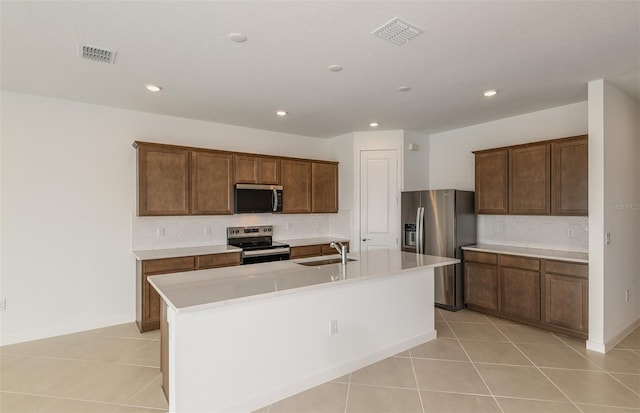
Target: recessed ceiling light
(238, 37)
(281, 113)
(153, 88)
(490, 92)
(334, 68)
(403, 88)
(374, 124)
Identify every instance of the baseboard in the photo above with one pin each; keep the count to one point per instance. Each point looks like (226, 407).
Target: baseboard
(22, 337)
(329, 374)
(612, 342)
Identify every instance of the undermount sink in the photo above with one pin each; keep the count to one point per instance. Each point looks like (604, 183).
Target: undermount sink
(325, 261)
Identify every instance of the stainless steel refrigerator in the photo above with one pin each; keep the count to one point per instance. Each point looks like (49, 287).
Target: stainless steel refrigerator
(440, 222)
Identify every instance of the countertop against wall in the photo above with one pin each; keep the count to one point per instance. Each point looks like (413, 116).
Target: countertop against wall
(223, 249)
(579, 257)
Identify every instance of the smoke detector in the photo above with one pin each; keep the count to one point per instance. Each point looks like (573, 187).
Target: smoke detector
(96, 54)
(397, 31)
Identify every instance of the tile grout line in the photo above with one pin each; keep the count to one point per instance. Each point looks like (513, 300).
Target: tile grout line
(75, 399)
(538, 368)
(601, 368)
(346, 401)
(415, 377)
(473, 364)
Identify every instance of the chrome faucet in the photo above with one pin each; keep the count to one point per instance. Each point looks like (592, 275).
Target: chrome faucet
(342, 250)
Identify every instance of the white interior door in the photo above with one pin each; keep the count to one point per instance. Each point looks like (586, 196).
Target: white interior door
(379, 200)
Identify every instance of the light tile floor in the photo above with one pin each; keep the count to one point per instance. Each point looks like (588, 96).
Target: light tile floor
(477, 364)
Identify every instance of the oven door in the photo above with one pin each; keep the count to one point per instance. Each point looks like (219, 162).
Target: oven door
(267, 255)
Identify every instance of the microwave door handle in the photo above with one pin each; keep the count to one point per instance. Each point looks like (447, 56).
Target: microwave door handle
(275, 200)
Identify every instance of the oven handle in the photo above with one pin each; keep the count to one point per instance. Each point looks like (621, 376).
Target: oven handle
(258, 253)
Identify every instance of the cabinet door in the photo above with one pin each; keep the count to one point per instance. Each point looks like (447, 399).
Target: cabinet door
(566, 303)
(570, 177)
(257, 170)
(305, 251)
(324, 186)
(520, 292)
(481, 285)
(211, 183)
(296, 182)
(492, 182)
(163, 180)
(530, 180)
(217, 260)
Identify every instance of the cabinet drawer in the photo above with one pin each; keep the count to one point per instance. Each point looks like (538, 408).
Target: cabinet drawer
(305, 251)
(567, 268)
(217, 260)
(168, 265)
(482, 257)
(520, 262)
(327, 250)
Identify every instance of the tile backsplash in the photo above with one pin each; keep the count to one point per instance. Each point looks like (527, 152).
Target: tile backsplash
(190, 231)
(548, 232)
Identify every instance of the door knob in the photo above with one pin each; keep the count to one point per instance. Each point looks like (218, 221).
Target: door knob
(366, 239)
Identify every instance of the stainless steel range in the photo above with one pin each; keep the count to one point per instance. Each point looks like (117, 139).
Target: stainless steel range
(257, 244)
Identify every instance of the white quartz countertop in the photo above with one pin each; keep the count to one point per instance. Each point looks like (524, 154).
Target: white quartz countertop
(580, 257)
(184, 252)
(206, 289)
(312, 241)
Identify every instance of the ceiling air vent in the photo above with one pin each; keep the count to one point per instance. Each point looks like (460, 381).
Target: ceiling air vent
(397, 31)
(97, 54)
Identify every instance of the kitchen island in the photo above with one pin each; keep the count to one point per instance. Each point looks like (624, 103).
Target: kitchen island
(239, 338)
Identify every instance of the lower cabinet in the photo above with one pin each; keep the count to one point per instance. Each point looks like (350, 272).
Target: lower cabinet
(567, 295)
(316, 250)
(544, 293)
(148, 302)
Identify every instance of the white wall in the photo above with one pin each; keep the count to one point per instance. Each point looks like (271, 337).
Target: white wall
(451, 164)
(614, 208)
(67, 198)
(416, 162)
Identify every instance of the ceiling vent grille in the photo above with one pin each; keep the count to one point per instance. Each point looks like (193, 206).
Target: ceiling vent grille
(97, 54)
(397, 31)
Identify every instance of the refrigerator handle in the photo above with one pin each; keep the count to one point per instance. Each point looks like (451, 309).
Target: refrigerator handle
(418, 230)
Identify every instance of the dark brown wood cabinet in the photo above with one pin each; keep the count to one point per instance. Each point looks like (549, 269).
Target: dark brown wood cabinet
(541, 178)
(481, 279)
(324, 187)
(570, 159)
(567, 295)
(163, 180)
(257, 170)
(148, 302)
(530, 180)
(295, 176)
(549, 294)
(520, 287)
(211, 183)
(492, 182)
(315, 250)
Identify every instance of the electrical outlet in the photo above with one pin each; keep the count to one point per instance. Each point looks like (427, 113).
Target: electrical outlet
(626, 295)
(571, 233)
(334, 327)
(160, 232)
(607, 238)
(207, 230)
(3, 304)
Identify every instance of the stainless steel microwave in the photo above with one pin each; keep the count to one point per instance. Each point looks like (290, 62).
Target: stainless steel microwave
(251, 198)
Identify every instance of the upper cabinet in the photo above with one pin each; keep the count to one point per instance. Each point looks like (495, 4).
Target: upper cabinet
(324, 184)
(163, 180)
(257, 170)
(570, 176)
(542, 178)
(492, 182)
(179, 180)
(174, 180)
(211, 183)
(296, 184)
(530, 180)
